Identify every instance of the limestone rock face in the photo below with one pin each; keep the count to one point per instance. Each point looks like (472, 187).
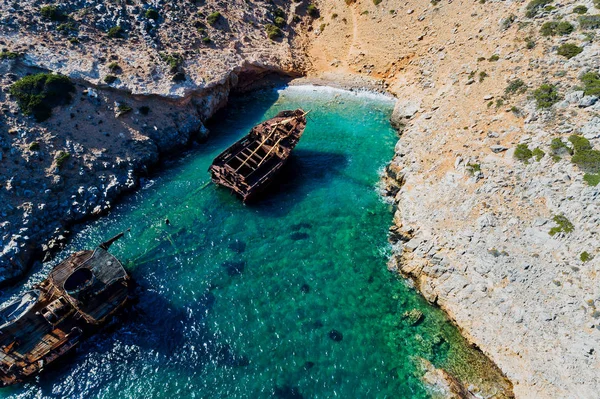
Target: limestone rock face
(144, 88)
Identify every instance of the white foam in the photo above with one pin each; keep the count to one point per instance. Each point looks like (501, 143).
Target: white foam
(360, 93)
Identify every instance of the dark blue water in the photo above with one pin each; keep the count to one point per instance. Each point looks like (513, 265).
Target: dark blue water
(287, 298)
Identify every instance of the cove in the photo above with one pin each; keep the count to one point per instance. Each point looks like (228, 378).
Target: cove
(289, 297)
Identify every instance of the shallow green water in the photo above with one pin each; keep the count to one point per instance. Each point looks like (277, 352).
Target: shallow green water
(239, 301)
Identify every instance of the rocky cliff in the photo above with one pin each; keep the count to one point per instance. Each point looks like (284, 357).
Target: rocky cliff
(146, 76)
(496, 171)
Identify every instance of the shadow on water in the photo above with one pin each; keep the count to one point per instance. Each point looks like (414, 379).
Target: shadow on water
(306, 170)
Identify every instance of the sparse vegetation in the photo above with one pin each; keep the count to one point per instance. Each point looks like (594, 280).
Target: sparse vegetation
(529, 43)
(38, 94)
(523, 153)
(592, 179)
(516, 86)
(569, 50)
(53, 13)
(589, 21)
(482, 76)
(61, 158)
(508, 21)
(564, 225)
(110, 79)
(585, 256)
(554, 28)
(279, 22)
(8, 55)
(174, 60)
(472, 168)
(546, 96)
(535, 6)
(116, 32)
(591, 80)
(494, 58)
(538, 154)
(273, 32)
(213, 18)
(151, 13)
(114, 67)
(312, 10)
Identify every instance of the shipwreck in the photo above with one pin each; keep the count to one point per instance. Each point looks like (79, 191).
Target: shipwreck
(43, 324)
(252, 162)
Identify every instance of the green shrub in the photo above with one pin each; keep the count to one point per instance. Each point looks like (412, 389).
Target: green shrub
(516, 86)
(580, 143)
(34, 146)
(61, 158)
(538, 154)
(494, 58)
(114, 67)
(529, 43)
(110, 79)
(482, 76)
(151, 13)
(591, 80)
(38, 94)
(587, 160)
(53, 13)
(273, 32)
(580, 10)
(564, 225)
(472, 168)
(213, 18)
(534, 6)
(348, 2)
(557, 145)
(279, 22)
(174, 60)
(523, 153)
(592, 179)
(569, 50)
(585, 256)
(556, 28)
(67, 27)
(508, 21)
(206, 40)
(8, 55)
(123, 108)
(546, 96)
(312, 10)
(116, 32)
(589, 21)
(377, 2)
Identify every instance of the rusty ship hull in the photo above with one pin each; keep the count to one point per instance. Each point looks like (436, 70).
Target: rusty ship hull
(44, 324)
(251, 163)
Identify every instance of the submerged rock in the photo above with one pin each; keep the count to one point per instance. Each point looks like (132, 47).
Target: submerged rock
(413, 317)
(305, 288)
(237, 246)
(234, 268)
(336, 336)
(287, 392)
(298, 236)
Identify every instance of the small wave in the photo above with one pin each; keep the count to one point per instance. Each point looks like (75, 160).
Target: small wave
(360, 93)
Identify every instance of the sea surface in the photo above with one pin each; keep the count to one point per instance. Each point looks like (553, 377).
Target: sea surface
(286, 298)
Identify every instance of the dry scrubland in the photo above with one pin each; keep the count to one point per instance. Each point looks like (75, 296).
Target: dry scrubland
(494, 175)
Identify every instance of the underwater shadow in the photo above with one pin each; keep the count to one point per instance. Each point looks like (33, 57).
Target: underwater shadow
(305, 171)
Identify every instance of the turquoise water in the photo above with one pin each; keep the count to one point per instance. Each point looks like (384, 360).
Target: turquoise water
(242, 301)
